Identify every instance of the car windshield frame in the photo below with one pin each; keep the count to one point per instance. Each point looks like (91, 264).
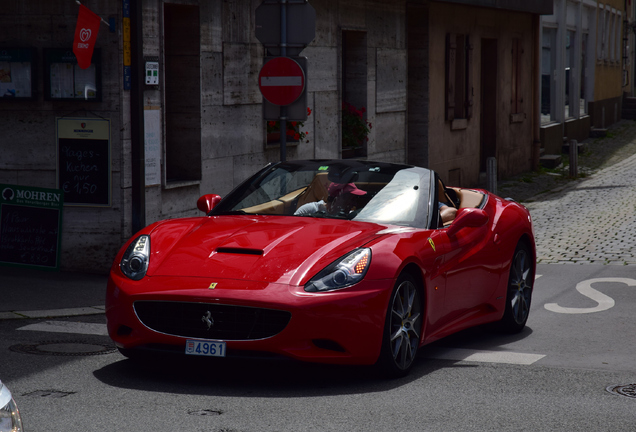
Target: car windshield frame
(361, 191)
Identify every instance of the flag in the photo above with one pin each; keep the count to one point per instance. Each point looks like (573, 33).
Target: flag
(85, 36)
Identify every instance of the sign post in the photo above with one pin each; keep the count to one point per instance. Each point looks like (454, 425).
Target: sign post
(281, 81)
(284, 27)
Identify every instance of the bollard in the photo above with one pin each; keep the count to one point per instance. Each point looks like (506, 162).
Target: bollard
(491, 174)
(574, 159)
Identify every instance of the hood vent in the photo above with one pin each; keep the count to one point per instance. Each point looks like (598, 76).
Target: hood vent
(239, 251)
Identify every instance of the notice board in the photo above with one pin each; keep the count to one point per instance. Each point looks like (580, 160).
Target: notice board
(30, 226)
(65, 80)
(152, 145)
(17, 68)
(83, 161)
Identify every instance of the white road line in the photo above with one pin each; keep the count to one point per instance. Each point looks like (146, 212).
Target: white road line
(605, 302)
(68, 327)
(458, 354)
(482, 356)
(91, 310)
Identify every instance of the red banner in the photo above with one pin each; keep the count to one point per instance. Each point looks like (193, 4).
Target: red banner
(85, 36)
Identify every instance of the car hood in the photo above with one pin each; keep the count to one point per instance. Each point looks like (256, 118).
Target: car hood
(277, 249)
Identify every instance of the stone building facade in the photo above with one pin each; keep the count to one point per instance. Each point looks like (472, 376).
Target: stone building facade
(444, 84)
(585, 68)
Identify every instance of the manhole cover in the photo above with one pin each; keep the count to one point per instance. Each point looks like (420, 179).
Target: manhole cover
(65, 348)
(628, 390)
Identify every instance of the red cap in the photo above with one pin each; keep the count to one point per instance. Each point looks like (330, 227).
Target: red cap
(338, 188)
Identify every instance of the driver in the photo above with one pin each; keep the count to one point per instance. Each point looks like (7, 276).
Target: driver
(341, 201)
(342, 198)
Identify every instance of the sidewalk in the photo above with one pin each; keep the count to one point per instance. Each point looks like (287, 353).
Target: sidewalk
(599, 154)
(591, 219)
(27, 293)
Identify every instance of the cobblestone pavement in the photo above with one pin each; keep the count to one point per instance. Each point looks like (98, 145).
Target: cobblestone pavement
(591, 219)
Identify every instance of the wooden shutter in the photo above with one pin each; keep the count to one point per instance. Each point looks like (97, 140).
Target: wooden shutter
(469, 78)
(451, 53)
(515, 97)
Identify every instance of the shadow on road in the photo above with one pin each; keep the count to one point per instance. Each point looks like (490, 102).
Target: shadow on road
(282, 378)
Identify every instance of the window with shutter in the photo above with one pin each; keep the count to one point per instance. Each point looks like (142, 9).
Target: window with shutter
(459, 79)
(516, 99)
(451, 55)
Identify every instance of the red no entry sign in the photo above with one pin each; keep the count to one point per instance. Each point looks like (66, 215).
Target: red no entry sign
(281, 80)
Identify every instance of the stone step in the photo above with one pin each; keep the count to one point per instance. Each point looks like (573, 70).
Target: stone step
(580, 148)
(550, 161)
(629, 114)
(598, 133)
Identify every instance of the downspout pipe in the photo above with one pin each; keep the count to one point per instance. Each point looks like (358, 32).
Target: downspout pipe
(536, 93)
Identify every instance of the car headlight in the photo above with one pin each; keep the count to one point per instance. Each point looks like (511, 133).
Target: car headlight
(134, 263)
(345, 272)
(10, 420)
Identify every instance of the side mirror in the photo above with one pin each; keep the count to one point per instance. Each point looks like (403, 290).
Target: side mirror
(207, 202)
(468, 217)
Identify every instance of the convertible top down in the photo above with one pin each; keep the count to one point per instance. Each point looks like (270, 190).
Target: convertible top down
(334, 261)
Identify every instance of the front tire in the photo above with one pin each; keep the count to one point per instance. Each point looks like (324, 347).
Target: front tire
(402, 328)
(519, 292)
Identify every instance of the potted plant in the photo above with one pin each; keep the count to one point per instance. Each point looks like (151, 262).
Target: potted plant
(355, 130)
(294, 131)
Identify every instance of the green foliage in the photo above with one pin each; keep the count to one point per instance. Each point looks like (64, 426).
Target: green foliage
(354, 126)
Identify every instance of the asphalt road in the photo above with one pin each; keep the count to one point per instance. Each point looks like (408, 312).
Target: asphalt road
(572, 369)
(553, 376)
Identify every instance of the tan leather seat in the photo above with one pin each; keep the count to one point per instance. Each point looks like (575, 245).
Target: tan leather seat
(316, 191)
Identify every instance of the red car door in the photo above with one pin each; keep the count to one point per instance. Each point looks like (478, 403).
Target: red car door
(471, 270)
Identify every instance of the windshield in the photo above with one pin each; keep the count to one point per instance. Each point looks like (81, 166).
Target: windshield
(340, 189)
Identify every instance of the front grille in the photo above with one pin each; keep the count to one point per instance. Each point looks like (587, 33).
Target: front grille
(228, 322)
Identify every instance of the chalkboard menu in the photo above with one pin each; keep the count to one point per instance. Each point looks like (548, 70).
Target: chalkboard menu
(30, 226)
(83, 161)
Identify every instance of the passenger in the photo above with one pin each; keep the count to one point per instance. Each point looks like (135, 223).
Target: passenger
(447, 213)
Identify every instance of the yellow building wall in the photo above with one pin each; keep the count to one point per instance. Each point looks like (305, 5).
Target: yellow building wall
(609, 73)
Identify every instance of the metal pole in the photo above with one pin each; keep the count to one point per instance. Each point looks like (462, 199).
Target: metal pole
(137, 118)
(574, 158)
(283, 53)
(491, 174)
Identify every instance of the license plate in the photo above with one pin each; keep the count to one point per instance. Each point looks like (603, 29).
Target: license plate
(205, 348)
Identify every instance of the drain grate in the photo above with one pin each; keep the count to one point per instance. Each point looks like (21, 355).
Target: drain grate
(205, 412)
(628, 390)
(65, 348)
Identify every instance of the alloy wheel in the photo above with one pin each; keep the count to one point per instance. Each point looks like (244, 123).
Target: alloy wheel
(405, 324)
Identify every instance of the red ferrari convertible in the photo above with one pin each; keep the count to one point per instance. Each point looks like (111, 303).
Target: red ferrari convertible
(333, 261)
